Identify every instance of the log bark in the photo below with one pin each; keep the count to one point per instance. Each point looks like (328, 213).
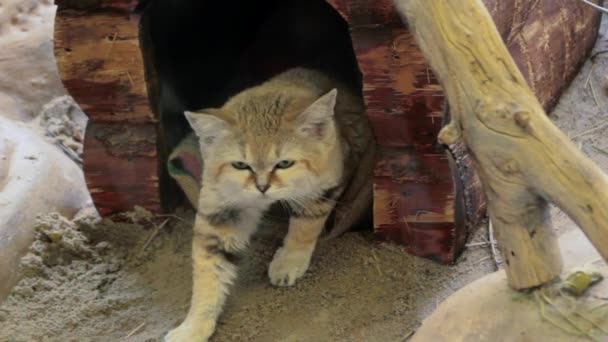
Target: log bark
(100, 63)
(420, 195)
(523, 160)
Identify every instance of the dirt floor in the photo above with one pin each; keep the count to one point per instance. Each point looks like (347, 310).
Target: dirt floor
(97, 282)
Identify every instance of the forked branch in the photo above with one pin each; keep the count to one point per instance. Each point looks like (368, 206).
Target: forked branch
(523, 160)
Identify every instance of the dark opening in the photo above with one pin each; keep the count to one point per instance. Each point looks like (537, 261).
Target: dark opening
(198, 53)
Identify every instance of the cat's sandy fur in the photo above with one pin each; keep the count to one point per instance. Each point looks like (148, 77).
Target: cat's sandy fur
(299, 115)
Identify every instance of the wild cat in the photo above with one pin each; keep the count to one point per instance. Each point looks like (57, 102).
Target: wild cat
(301, 139)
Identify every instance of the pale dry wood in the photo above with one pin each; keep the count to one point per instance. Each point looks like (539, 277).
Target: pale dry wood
(524, 161)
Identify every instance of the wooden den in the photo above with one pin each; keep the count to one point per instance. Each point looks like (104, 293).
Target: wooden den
(134, 67)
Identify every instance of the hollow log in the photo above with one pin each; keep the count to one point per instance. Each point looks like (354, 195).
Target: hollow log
(523, 160)
(426, 197)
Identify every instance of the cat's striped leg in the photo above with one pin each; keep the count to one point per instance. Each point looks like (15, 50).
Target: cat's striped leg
(291, 261)
(215, 239)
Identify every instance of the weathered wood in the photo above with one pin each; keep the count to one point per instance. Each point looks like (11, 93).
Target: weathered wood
(548, 40)
(523, 160)
(414, 190)
(97, 50)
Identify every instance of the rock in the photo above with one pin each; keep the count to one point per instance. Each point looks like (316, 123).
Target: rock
(488, 310)
(29, 77)
(50, 182)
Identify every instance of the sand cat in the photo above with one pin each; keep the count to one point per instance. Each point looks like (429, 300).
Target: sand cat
(301, 139)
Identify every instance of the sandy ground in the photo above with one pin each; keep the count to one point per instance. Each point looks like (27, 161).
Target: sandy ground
(87, 282)
(583, 116)
(96, 283)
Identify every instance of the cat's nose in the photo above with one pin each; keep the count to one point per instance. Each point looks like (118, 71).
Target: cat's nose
(262, 187)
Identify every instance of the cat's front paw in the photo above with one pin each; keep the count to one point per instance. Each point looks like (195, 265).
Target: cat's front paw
(287, 266)
(187, 332)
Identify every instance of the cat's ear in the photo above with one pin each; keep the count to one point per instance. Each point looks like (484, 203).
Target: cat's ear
(318, 117)
(206, 126)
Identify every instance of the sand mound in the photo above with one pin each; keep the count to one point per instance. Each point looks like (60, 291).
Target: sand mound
(87, 282)
(63, 124)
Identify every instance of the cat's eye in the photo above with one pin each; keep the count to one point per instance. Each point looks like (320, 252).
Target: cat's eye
(240, 165)
(284, 164)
